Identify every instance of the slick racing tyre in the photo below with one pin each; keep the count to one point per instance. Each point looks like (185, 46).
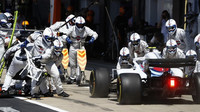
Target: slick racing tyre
(129, 89)
(99, 82)
(196, 97)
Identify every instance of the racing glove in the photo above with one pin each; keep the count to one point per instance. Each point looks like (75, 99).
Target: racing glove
(24, 44)
(68, 40)
(91, 40)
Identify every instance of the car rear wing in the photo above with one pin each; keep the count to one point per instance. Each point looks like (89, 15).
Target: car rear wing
(171, 63)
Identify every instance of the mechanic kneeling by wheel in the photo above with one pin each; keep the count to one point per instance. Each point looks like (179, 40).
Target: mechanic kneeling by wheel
(124, 59)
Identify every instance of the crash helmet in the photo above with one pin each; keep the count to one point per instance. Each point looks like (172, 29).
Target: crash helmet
(3, 23)
(80, 23)
(58, 46)
(135, 39)
(48, 36)
(171, 26)
(171, 46)
(191, 54)
(9, 16)
(197, 41)
(70, 19)
(124, 54)
(34, 35)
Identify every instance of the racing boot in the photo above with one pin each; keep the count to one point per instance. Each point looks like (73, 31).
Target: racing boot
(48, 94)
(64, 94)
(35, 96)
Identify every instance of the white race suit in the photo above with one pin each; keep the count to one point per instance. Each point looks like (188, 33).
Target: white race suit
(180, 37)
(75, 36)
(42, 49)
(60, 27)
(18, 62)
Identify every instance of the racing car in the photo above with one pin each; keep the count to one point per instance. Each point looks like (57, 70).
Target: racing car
(156, 76)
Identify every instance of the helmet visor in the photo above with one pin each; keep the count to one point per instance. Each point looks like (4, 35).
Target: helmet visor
(135, 43)
(3, 24)
(48, 38)
(171, 28)
(192, 56)
(58, 49)
(125, 57)
(172, 49)
(80, 25)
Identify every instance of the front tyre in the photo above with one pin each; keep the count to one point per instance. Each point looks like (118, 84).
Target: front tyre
(129, 89)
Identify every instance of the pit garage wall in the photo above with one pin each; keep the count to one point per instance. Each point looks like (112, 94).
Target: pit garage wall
(176, 8)
(154, 8)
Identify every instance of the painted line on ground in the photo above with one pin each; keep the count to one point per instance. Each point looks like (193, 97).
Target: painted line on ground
(41, 104)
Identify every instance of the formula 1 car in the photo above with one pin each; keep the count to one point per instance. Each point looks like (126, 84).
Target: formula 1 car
(160, 77)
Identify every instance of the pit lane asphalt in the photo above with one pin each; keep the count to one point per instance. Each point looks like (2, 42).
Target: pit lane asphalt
(25, 104)
(17, 105)
(81, 101)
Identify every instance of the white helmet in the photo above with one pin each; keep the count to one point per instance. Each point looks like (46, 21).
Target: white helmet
(58, 46)
(124, 53)
(135, 39)
(70, 17)
(191, 54)
(171, 26)
(9, 16)
(3, 23)
(48, 36)
(171, 46)
(34, 35)
(80, 23)
(197, 41)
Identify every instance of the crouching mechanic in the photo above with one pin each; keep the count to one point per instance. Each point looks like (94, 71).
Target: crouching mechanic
(42, 51)
(177, 34)
(77, 33)
(18, 62)
(124, 59)
(189, 70)
(56, 59)
(137, 47)
(172, 51)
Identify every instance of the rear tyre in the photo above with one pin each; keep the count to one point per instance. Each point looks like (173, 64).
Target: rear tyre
(99, 82)
(129, 89)
(196, 97)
